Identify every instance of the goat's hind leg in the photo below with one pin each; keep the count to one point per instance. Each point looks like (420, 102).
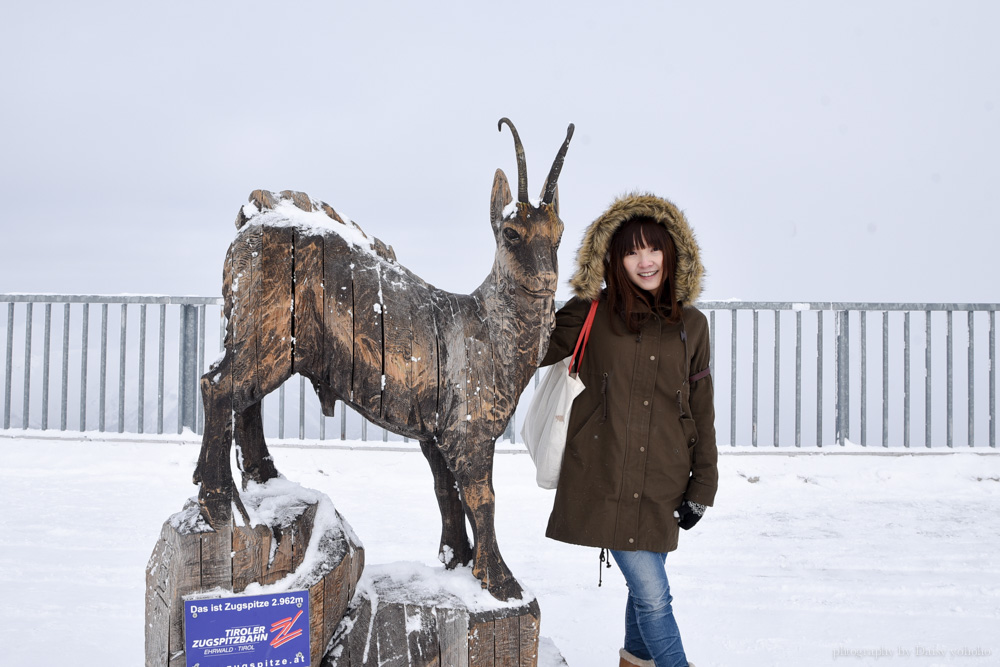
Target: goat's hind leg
(254, 458)
(474, 474)
(455, 548)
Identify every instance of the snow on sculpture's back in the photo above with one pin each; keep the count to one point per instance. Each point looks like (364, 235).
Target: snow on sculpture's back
(306, 291)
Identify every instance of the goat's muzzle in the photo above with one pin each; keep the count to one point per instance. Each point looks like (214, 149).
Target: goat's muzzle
(537, 293)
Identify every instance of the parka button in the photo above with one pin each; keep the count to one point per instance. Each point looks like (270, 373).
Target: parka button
(631, 541)
(642, 449)
(645, 402)
(635, 495)
(652, 357)
(693, 440)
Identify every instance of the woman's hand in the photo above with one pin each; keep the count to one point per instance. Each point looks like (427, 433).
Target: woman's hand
(688, 514)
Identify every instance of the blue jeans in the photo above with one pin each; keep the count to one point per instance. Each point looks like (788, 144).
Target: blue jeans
(651, 632)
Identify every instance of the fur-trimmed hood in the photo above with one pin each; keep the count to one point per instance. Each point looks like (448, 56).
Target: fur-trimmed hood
(588, 279)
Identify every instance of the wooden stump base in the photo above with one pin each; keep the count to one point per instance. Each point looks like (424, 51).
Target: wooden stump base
(407, 614)
(298, 541)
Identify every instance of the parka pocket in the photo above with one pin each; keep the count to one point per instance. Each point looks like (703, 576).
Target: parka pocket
(687, 422)
(595, 407)
(690, 431)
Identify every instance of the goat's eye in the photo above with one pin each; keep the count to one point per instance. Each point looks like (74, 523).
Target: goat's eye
(511, 234)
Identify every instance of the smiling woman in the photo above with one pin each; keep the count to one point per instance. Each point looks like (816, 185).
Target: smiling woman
(640, 460)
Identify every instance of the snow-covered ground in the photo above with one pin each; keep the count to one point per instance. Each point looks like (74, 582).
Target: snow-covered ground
(812, 559)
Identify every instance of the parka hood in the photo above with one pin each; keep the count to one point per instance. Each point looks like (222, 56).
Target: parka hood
(588, 279)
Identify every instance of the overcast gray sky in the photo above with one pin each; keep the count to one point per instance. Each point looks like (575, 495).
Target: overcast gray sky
(841, 150)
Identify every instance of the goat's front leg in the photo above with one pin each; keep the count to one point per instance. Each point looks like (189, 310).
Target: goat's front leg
(213, 472)
(475, 479)
(454, 549)
(255, 460)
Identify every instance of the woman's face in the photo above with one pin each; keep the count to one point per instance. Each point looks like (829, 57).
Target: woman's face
(644, 267)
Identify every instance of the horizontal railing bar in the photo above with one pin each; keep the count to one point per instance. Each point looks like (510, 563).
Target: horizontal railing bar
(112, 299)
(703, 305)
(846, 305)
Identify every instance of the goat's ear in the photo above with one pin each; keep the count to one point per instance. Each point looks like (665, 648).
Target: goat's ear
(499, 199)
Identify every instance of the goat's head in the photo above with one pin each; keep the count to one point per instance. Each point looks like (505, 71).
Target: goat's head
(528, 233)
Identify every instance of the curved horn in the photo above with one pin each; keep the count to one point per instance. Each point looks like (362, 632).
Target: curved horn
(522, 169)
(550, 182)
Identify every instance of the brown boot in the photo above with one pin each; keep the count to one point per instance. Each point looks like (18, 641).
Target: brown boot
(629, 660)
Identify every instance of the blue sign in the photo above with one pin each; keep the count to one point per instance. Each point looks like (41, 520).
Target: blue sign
(248, 630)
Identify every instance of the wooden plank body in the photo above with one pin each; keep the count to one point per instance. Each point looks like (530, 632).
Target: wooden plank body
(309, 297)
(276, 287)
(368, 332)
(366, 379)
(336, 371)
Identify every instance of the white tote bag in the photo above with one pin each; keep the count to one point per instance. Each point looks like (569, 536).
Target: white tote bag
(545, 424)
(547, 419)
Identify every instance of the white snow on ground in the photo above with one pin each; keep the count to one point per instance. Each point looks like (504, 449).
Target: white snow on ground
(841, 558)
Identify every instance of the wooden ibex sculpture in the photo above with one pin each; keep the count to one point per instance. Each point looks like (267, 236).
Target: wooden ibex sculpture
(307, 292)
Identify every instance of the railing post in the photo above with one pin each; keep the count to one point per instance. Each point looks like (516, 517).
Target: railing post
(199, 369)
(993, 379)
(753, 398)
(885, 378)
(949, 344)
(732, 379)
(188, 381)
(45, 365)
(928, 385)
(864, 377)
(798, 378)
(841, 350)
(65, 369)
(906, 379)
(9, 366)
(26, 410)
(819, 378)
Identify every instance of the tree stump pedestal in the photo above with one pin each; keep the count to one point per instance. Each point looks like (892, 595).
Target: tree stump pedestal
(298, 541)
(410, 615)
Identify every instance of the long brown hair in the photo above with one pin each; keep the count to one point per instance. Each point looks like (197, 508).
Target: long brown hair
(625, 298)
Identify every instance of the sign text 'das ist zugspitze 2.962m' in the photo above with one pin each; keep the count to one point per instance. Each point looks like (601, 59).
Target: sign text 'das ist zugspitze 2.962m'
(249, 630)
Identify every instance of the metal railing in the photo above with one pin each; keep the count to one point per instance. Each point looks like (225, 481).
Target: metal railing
(841, 368)
(824, 369)
(168, 396)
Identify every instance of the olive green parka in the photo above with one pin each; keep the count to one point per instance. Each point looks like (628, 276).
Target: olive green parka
(641, 437)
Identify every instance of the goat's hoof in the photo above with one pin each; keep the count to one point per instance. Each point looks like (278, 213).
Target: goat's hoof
(216, 507)
(506, 590)
(453, 557)
(260, 472)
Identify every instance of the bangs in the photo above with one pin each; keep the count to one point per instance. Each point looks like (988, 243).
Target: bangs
(624, 296)
(642, 233)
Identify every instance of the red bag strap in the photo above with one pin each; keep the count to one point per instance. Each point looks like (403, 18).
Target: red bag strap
(581, 340)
